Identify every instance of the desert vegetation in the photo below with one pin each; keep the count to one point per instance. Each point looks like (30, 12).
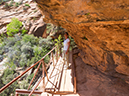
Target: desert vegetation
(21, 51)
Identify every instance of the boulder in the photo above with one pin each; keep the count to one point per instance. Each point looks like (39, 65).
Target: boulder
(38, 30)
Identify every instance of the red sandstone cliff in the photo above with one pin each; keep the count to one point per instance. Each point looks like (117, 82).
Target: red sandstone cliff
(105, 23)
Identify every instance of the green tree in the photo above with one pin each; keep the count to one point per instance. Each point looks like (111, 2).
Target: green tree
(13, 27)
(58, 44)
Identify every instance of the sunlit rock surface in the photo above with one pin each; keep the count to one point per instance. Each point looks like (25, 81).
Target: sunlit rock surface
(30, 16)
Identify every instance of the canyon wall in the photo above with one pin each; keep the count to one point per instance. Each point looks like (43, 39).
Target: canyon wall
(100, 28)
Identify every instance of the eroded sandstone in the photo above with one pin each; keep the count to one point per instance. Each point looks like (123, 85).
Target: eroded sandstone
(91, 82)
(30, 16)
(99, 27)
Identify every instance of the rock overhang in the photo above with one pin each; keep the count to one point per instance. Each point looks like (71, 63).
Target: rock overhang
(99, 27)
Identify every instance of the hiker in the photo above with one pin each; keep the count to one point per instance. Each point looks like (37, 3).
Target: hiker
(66, 50)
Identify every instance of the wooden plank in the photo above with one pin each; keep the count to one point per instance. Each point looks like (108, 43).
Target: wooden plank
(55, 75)
(61, 92)
(58, 78)
(49, 89)
(54, 79)
(23, 91)
(51, 73)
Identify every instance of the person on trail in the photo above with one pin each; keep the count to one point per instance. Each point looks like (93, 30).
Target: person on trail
(66, 44)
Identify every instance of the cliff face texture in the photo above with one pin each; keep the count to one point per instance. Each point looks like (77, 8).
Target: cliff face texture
(100, 28)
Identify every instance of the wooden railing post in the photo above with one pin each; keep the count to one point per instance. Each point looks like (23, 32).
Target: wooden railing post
(56, 55)
(60, 53)
(34, 75)
(53, 59)
(16, 94)
(43, 74)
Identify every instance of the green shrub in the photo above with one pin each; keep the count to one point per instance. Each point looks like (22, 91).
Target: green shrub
(23, 31)
(5, 0)
(58, 43)
(16, 4)
(11, 3)
(13, 27)
(51, 28)
(23, 51)
(27, 5)
(24, 84)
(6, 5)
(34, 18)
(1, 57)
(2, 37)
(6, 77)
(87, 14)
(35, 11)
(30, 38)
(24, 8)
(29, 78)
(1, 1)
(10, 41)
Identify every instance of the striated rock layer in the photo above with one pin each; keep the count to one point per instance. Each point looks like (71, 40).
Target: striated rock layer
(99, 27)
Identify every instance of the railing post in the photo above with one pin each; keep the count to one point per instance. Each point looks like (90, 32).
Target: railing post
(56, 54)
(53, 59)
(60, 53)
(16, 94)
(34, 75)
(43, 74)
